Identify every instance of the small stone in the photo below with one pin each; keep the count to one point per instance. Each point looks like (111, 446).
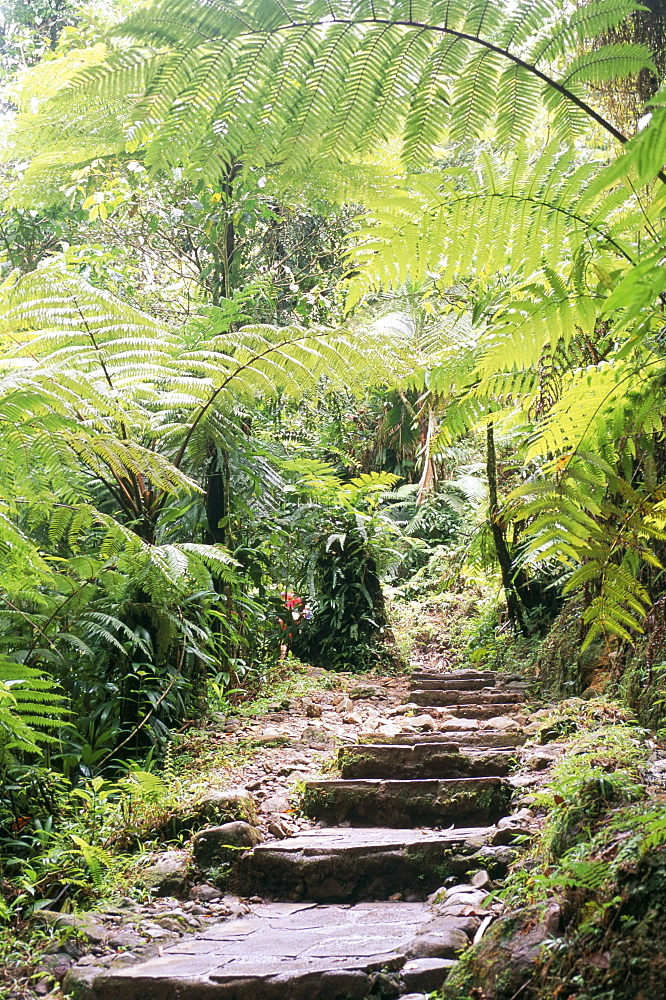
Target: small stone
(539, 761)
(352, 719)
(344, 705)
(156, 932)
(171, 924)
(124, 939)
(314, 710)
(275, 804)
(509, 835)
(465, 895)
(316, 734)
(293, 777)
(389, 730)
(453, 724)
(365, 692)
(57, 965)
(481, 880)
(420, 722)
(232, 725)
(516, 819)
(503, 723)
(205, 893)
(461, 911)
(126, 958)
(280, 829)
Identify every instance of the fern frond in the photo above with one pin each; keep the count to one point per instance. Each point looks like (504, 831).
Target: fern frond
(482, 221)
(284, 83)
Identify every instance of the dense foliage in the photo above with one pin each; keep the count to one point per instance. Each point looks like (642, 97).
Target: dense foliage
(299, 299)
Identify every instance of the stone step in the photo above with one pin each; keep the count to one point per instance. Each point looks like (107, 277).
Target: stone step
(468, 674)
(493, 711)
(283, 951)
(431, 684)
(337, 865)
(430, 802)
(463, 738)
(443, 684)
(489, 696)
(421, 760)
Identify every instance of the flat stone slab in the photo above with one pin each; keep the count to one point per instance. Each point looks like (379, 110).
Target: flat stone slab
(487, 696)
(489, 676)
(282, 951)
(475, 711)
(444, 684)
(465, 739)
(346, 865)
(428, 802)
(421, 760)
(491, 711)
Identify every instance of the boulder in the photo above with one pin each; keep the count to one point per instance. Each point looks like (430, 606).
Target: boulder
(504, 961)
(220, 845)
(426, 973)
(168, 874)
(446, 942)
(225, 806)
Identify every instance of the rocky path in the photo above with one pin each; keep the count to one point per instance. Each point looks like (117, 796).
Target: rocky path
(382, 882)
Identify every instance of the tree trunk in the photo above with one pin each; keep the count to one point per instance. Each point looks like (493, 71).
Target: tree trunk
(501, 548)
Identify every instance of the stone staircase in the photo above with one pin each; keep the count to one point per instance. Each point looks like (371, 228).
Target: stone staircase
(349, 917)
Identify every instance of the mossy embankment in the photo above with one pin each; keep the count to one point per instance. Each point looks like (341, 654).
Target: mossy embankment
(586, 905)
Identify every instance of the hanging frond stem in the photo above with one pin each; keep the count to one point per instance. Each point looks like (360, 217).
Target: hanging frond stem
(236, 372)
(34, 625)
(57, 611)
(102, 361)
(569, 215)
(141, 724)
(526, 200)
(466, 37)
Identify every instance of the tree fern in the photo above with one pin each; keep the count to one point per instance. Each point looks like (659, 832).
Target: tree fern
(128, 398)
(283, 83)
(576, 522)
